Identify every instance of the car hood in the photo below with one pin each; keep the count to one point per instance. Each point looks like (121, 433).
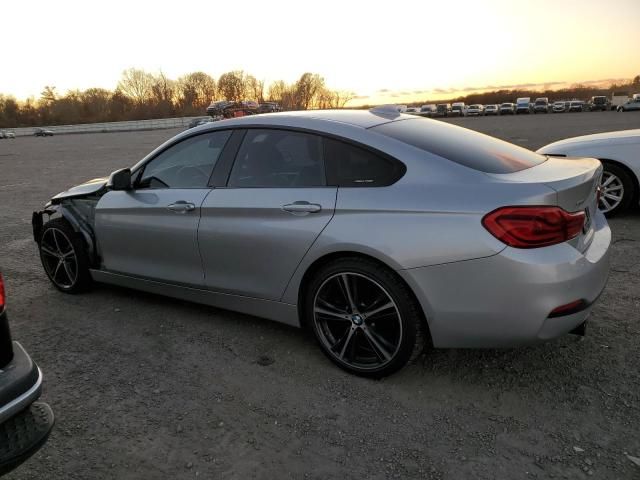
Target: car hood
(619, 138)
(87, 188)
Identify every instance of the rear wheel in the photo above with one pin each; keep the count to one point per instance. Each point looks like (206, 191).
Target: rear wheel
(364, 317)
(64, 257)
(616, 190)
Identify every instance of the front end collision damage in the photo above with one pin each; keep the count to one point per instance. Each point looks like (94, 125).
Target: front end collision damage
(78, 208)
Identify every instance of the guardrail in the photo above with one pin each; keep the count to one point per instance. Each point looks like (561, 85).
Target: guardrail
(155, 124)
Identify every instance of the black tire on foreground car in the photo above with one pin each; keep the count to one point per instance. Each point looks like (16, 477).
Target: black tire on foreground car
(64, 256)
(364, 317)
(616, 182)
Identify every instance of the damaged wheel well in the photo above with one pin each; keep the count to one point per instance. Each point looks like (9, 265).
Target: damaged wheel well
(79, 213)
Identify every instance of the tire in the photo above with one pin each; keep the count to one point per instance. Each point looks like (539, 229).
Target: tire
(64, 257)
(349, 336)
(617, 180)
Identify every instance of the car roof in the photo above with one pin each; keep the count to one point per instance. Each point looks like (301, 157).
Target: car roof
(356, 118)
(347, 123)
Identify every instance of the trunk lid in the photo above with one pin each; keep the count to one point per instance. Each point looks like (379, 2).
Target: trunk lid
(575, 181)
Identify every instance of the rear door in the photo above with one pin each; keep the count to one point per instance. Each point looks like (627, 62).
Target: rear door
(255, 231)
(151, 230)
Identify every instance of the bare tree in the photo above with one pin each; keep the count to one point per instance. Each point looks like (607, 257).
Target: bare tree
(95, 103)
(48, 95)
(277, 91)
(255, 88)
(233, 85)
(307, 89)
(137, 85)
(341, 98)
(196, 90)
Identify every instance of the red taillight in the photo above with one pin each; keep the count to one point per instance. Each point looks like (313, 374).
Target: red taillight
(1, 293)
(569, 309)
(533, 227)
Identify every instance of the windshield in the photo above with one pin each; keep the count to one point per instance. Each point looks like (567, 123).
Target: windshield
(460, 145)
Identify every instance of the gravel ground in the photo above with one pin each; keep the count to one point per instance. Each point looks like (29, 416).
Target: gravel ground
(147, 387)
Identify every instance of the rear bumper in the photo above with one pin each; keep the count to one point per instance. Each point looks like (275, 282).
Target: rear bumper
(20, 383)
(505, 300)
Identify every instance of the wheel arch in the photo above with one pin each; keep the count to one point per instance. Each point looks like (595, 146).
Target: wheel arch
(628, 171)
(77, 224)
(322, 260)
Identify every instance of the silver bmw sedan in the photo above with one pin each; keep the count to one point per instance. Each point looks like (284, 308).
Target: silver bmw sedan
(379, 232)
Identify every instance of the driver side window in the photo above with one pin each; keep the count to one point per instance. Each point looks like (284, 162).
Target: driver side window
(187, 164)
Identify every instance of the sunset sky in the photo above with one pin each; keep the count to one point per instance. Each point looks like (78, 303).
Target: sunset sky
(383, 51)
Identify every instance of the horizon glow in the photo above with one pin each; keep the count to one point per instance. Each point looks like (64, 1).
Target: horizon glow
(417, 50)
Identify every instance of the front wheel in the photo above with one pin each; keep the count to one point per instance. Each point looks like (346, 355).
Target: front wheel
(364, 317)
(63, 256)
(616, 190)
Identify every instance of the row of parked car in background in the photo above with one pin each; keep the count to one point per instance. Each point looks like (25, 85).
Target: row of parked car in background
(7, 134)
(617, 102)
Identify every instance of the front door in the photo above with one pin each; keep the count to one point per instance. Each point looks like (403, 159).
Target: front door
(151, 230)
(254, 233)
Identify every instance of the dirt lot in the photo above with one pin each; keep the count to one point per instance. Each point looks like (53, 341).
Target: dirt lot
(148, 387)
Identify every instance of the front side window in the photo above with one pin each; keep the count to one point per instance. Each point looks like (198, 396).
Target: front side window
(278, 158)
(187, 164)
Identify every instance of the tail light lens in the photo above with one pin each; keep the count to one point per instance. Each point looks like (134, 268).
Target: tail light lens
(569, 309)
(1, 293)
(533, 227)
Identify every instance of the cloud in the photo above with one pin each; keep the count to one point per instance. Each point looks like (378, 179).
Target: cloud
(440, 91)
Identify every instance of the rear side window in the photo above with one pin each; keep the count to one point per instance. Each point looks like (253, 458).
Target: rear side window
(460, 145)
(352, 166)
(278, 158)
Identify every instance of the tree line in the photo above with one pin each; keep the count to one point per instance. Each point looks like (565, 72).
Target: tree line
(143, 95)
(576, 91)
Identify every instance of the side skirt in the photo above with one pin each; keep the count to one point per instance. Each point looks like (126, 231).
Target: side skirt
(276, 311)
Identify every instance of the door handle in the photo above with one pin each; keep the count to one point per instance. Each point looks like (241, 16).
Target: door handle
(301, 208)
(181, 207)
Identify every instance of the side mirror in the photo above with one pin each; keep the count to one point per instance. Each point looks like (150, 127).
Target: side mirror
(120, 180)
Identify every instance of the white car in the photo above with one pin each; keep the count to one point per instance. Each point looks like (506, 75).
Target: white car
(491, 109)
(618, 152)
(475, 110)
